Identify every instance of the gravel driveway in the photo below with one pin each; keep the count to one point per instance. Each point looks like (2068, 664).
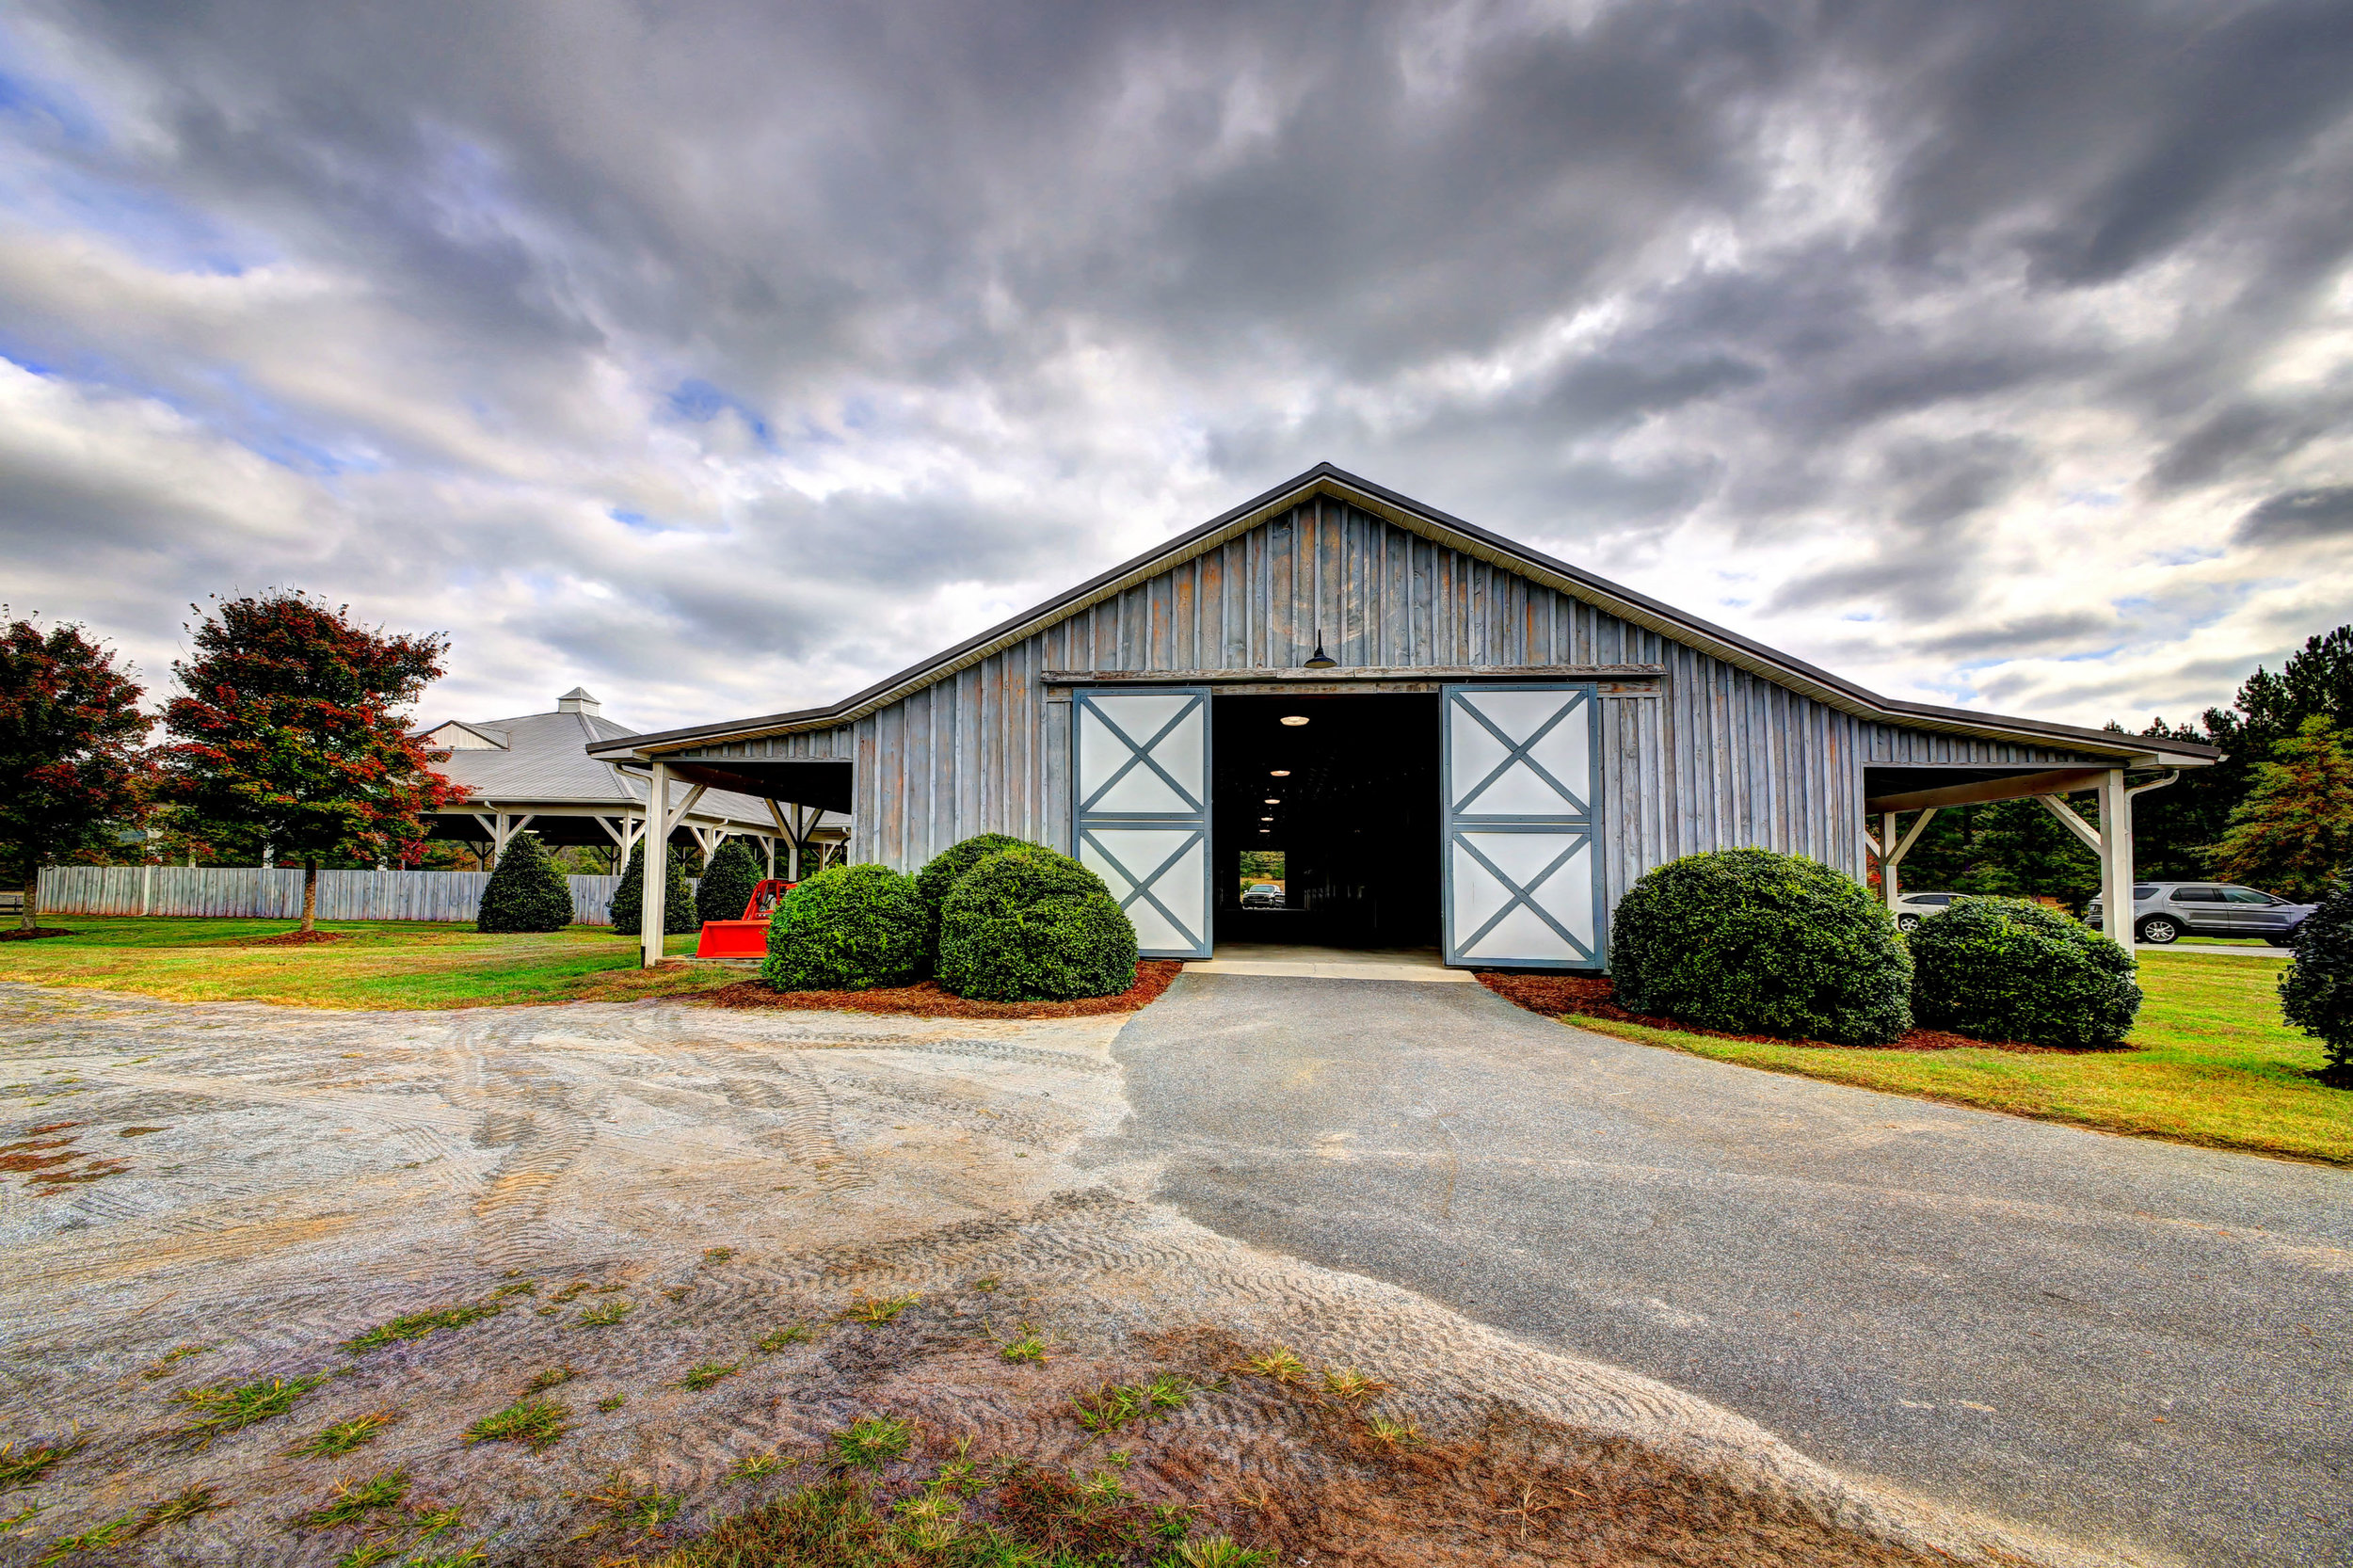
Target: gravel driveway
(2132, 1344)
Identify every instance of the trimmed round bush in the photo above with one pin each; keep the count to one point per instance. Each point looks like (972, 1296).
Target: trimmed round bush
(678, 907)
(2316, 992)
(848, 928)
(1750, 942)
(527, 891)
(1027, 925)
(2006, 968)
(727, 882)
(935, 881)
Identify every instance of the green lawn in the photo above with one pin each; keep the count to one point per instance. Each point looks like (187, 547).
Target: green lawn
(2211, 1063)
(379, 964)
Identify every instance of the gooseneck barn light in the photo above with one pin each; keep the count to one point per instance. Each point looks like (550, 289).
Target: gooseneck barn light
(1294, 720)
(1319, 660)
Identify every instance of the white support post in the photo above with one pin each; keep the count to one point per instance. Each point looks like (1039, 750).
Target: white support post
(768, 842)
(1889, 858)
(2115, 859)
(652, 894)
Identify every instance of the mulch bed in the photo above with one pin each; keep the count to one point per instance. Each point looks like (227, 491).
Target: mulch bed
(289, 940)
(925, 999)
(19, 934)
(1590, 996)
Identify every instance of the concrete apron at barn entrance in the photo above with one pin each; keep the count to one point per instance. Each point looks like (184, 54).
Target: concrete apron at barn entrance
(1293, 961)
(2134, 1344)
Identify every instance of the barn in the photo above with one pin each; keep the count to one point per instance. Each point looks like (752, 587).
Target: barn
(1449, 739)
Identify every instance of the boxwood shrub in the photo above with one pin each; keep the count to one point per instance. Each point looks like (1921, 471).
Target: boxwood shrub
(1027, 925)
(527, 891)
(2006, 968)
(677, 908)
(848, 928)
(2316, 992)
(727, 882)
(936, 879)
(1751, 942)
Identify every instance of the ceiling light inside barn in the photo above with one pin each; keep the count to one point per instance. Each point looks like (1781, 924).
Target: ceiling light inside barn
(1271, 801)
(1266, 818)
(1280, 773)
(1294, 720)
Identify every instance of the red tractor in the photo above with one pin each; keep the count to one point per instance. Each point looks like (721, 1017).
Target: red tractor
(748, 937)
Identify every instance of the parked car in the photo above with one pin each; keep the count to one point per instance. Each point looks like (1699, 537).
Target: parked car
(1911, 909)
(2168, 911)
(1263, 895)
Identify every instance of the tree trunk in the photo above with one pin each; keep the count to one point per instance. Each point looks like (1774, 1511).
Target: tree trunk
(310, 894)
(29, 916)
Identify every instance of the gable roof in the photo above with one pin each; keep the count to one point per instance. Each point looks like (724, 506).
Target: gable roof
(1453, 533)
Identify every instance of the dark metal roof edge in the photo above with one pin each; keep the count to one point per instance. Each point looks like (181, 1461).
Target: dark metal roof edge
(1654, 611)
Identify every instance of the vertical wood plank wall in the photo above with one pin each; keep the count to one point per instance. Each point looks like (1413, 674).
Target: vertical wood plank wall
(1721, 758)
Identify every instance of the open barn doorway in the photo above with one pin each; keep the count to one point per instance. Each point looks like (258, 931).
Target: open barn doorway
(1326, 831)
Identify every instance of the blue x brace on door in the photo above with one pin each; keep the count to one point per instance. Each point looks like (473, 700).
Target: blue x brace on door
(1141, 809)
(1521, 771)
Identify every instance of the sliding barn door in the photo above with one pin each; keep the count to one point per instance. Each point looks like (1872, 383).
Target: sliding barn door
(1522, 781)
(1141, 816)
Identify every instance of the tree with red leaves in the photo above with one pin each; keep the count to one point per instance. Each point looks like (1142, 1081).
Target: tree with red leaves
(72, 768)
(288, 743)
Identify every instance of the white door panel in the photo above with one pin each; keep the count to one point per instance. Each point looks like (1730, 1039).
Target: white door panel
(1523, 885)
(1141, 809)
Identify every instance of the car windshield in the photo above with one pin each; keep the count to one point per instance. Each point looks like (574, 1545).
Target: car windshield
(1264, 888)
(2246, 895)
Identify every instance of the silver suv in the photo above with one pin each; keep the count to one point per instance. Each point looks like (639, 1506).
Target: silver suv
(1911, 909)
(2168, 911)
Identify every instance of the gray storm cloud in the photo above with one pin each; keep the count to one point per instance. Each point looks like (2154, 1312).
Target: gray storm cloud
(730, 354)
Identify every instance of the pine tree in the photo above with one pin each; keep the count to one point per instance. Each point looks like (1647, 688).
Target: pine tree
(2316, 991)
(727, 882)
(2295, 830)
(628, 898)
(527, 891)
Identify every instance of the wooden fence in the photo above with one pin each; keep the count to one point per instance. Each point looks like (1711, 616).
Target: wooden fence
(276, 893)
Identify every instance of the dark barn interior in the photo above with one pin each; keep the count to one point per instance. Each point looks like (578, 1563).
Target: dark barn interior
(1354, 794)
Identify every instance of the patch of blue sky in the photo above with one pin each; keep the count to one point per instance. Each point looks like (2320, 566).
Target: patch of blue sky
(698, 401)
(48, 110)
(1860, 615)
(637, 522)
(2089, 656)
(271, 431)
(2188, 555)
(2094, 498)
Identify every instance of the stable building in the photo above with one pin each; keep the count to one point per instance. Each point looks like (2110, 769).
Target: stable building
(1453, 740)
(529, 772)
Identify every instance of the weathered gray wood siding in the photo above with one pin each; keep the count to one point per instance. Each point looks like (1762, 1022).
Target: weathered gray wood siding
(1718, 758)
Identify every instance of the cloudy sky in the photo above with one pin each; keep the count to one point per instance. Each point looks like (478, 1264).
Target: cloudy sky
(722, 357)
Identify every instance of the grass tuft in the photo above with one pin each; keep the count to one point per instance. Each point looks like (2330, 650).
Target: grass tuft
(98, 1538)
(1115, 1404)
(870, 1442)
(185, 1504)
(1028, 1348)
(703, 1374)
(551, 1377)
(754, 1467)
(1392, 1433)
(793, 1334)
(1277, 1366)
(612, 1402)
(1216, 1551)
(357, 1501)
(604, 1314)
(178, 1353)
(717, 1255)
(1351, 1385)
(643, 1511)
(368, 1555)
(22, 1467)
(232, 1407)
(416, 1326)
(875, 1312)
(341, 1437)
(536, 1422)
